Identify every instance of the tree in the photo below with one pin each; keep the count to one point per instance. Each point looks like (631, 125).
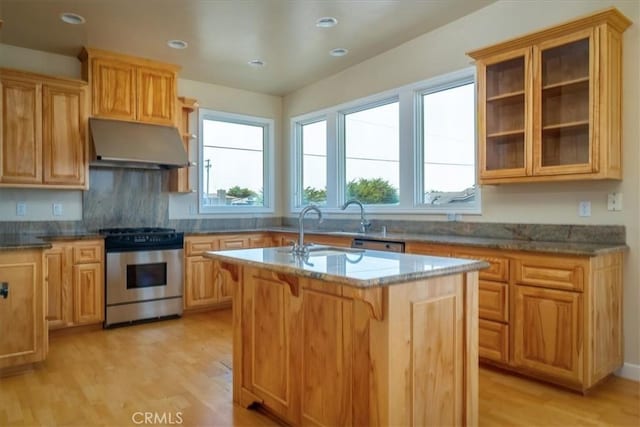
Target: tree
(240, 193)
(371, 191)
(313, 195)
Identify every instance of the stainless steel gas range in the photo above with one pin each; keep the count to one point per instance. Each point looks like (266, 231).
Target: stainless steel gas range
(143, 274)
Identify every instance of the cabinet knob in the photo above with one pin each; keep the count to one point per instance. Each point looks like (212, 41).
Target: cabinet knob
(4, 290)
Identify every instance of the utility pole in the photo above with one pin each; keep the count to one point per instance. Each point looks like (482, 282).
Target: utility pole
(207, 166)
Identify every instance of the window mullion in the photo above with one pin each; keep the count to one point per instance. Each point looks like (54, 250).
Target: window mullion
(335, 161)
(407, 167)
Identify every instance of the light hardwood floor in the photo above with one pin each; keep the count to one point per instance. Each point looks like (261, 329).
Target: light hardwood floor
(181, 369)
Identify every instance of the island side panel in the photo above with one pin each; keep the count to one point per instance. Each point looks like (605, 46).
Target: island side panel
(471, 311)
(420, 357)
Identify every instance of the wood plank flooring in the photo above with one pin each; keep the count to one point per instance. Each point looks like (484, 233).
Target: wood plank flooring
(180, 370)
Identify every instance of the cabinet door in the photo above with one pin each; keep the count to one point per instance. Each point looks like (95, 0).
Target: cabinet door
(63, 135)
(113, 89)
(504, 115)
(58, 283)
(156, 96)
(23, 336)
(88, 293)
(21, 139)
(548, 335)
(565, 70)
(200, 286)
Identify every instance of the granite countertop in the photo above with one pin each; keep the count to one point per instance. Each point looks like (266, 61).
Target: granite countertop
(357, 268)
(22, 241)
(565, 248)
(31, 241)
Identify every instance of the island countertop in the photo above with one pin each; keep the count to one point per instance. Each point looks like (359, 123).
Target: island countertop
(361, 269)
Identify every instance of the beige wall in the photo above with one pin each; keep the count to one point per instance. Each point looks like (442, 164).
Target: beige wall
(442, 51)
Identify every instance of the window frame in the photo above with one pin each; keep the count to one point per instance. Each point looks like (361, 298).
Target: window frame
(268, 165)
(298, 156)
(411, 157)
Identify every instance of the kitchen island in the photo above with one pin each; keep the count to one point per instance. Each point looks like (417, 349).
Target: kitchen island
(345, 337)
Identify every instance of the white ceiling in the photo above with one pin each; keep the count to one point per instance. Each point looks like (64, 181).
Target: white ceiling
(224, 34)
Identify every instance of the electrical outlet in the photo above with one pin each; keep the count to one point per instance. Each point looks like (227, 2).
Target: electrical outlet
(614, 201)
(584, 208)
(21, 209)
(57, 209)
(454, 217)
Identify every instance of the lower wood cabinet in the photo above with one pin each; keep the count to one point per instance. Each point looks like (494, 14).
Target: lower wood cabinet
(22, 309)
(74, 277)
(553, 317)
(205, 284)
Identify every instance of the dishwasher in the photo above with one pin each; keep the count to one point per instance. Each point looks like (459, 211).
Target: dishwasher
(378, 245)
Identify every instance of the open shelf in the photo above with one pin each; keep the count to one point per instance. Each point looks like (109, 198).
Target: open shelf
(505, 152)
(568, 83)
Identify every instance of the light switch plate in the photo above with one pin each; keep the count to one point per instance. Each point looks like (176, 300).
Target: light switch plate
(57, 209)
(584, 208)
(614, 201)
(21, 209)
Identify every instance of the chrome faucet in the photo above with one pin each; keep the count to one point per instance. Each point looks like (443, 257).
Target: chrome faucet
(364, 222)
(300, 248)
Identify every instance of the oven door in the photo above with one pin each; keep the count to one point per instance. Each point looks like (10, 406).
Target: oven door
(143, 275)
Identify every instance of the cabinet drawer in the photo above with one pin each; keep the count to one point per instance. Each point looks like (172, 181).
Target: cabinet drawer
(199, 245)
(84, 253)
(558, 273)
(498, 267)
(234, 242)
(493, 301)
(493, 341)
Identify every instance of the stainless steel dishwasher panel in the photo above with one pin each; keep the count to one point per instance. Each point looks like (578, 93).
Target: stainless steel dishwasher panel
(378, 245)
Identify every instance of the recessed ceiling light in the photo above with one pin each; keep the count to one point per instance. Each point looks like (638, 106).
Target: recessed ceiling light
(72, 18)
(257, 63)
(326, 22)
(177, 44)
(339, 51)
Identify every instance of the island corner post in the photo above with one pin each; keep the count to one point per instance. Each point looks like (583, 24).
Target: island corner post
(313, 352)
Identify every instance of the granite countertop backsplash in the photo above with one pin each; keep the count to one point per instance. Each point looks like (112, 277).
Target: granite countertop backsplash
(585, 240)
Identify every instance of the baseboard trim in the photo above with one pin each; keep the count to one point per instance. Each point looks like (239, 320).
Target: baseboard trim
(629, 371)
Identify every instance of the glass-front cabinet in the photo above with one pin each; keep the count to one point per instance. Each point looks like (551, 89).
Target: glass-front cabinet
(549, 103)
(505, 82)
(565, 109)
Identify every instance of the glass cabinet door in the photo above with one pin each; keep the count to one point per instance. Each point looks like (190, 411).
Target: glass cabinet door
(563, 140)
(505, 94)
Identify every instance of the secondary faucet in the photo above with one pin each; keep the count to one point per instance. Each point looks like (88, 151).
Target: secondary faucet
(364, 222)
(300, 248)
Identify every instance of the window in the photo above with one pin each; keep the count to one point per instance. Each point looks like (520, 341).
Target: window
(235, 162)
(313, 138)
(411, 149)
(448, 138)
(372, 148)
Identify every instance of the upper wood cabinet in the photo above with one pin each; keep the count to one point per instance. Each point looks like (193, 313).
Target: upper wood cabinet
(549, 105)
(43, 137)
(129, 88)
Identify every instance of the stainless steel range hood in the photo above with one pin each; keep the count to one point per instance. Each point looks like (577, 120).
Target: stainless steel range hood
(136, 145)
